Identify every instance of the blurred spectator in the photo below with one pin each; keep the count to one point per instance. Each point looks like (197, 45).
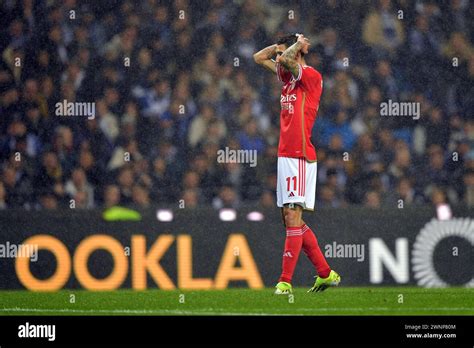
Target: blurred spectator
(458, 46)
(455, 18)
(385, 80)
(438, 197)
(267, 200)
(191, 181)
(468, 194)
(435, 173)
(123, 154)
(111, 196)
(340, 127)
(48, 201)
(401, 166)
(404, 192)
(383, 31)
(372, 200)
(161, 183)
(327, 49)
(328, 197)
(227, 198)
(437, 131)
(250, 138)
(3, 195)
(78, 185)
(125, 182)
(50, 174)
(140, 196)
(201, 123)
(190, 198)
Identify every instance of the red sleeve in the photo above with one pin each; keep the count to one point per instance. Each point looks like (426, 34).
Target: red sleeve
(282, 74)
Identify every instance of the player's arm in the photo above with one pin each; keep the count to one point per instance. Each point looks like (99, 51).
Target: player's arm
(263, 58)
(288, 58)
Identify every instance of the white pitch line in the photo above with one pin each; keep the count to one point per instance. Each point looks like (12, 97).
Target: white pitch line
(198, 312)
(130, 311)
(390, 309)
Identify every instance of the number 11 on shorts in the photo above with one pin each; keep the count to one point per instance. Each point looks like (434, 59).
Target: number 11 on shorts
(288, 182)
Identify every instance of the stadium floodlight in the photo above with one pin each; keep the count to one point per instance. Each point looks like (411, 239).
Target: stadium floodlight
(443, 211)
(164, 215)
(227, 214)
(255, 216)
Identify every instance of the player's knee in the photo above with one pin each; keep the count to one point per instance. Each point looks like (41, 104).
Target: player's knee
(292, 217)
(289, 220)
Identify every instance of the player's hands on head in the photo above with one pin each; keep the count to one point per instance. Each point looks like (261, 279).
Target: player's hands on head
(305, 42)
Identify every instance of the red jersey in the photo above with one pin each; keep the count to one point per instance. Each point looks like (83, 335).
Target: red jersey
(299, 107)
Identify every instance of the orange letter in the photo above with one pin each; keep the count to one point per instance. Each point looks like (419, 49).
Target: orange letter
(63, 269)
(227, 271)
(185, 266)
(143, 262)
(86, 248)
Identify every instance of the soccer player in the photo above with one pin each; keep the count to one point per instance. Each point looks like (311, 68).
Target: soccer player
(296, 177)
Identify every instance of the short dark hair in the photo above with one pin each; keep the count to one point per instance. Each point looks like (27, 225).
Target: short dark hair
(288, 40)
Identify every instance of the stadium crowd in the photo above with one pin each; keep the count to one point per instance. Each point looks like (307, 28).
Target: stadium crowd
(174, 82)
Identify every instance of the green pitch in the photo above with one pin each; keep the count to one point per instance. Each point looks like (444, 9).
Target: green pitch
(338, 301)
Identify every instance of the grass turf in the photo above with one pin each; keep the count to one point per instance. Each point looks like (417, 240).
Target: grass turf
(338, 301)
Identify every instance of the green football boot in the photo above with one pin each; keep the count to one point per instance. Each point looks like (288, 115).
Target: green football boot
(283, 288)
(322, 284)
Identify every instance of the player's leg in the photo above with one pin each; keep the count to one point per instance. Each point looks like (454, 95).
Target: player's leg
(326, 277)
(289, 198)
(313, 251)
(292, 214)
(310, 242)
